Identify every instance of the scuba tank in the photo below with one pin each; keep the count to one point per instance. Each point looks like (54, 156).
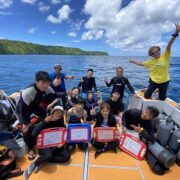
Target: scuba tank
(163, 155)
(158, 120)
(164, 131)
(178, 158)
(174, 140)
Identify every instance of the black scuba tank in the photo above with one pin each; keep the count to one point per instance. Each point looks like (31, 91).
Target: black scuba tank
(164, 131)
(163, 155)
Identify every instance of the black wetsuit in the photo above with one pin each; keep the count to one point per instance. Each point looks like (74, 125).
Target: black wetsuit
(99, 123)
(133, 117)
(30, 100)
(116, 107)
(119, 84)
(29, 104)
(52, 154)
(88, 84)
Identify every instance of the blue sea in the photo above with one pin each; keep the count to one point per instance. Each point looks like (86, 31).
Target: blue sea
(17, 71)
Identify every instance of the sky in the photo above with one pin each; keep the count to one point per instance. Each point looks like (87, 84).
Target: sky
(119, 27)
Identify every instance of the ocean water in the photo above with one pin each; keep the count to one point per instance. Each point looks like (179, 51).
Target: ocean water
(17, 71)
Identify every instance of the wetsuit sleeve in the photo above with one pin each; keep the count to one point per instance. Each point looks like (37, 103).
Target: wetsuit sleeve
(69, 101)
(59, 94)
(23, 107)
(23, 112)
(124, 118)
(121, 107)
(95, 87)
(38, 129)
(50, 94)
(113, 120)
(148, 134)
(80, 84)
(129, 86)
(110, 83)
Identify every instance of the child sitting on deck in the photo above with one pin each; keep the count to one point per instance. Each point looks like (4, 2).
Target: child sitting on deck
(104, 119)
(74, 116)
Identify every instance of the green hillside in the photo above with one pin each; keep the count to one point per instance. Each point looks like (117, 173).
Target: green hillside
(20, 47)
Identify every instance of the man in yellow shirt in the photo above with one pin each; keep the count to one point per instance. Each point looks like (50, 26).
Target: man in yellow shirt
(158, 67)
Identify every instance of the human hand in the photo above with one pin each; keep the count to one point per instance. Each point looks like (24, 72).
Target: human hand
(136, 128)
(81, 80)
(51, 118)
(25, 128)
(92, 112)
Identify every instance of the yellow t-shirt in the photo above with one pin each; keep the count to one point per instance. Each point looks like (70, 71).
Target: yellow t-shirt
(159, 68)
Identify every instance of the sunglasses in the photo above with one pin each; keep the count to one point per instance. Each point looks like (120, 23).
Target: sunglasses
(152, 53)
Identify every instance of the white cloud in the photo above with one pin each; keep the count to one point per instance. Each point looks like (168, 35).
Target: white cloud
(29, 1)
(32, 30)
(43, 7)
(53, 32)
(55, 1)
(63, 14)
(72, 34)
(92, 35)
(76, 26)
(5, 3)
(5, 13)
(138, 25)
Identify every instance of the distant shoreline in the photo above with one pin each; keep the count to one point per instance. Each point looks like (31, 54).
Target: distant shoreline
(11, 47)
(56, 55)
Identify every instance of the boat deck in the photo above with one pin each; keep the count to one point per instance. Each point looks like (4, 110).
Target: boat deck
(107, 166)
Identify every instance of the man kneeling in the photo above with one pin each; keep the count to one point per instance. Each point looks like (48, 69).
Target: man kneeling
(142, 122)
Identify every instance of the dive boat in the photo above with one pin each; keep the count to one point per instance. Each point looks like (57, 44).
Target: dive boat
(109, 165)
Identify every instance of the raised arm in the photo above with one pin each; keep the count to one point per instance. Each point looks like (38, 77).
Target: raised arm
(80, 82)
(95, 86)
(168, 48)
(69, 77)
(136, 62)
(109, 84)
(50, 106)
(84, 116)
(68, 116)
